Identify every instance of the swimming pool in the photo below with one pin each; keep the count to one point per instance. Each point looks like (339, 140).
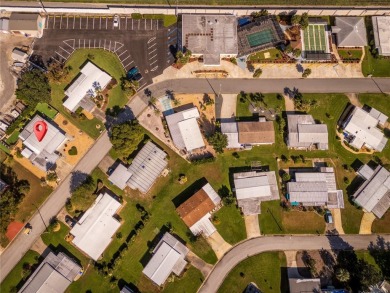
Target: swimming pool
(260, 38)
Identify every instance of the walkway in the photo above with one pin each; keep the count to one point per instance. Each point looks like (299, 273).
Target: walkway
(366, 223)
(252, 226)
(258, 245)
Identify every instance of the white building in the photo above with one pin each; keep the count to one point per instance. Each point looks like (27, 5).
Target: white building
(360, 128)
(381, 26)
(196, 211)
(90, 80)
(42, 154)
(93, 232)
(168, 257)
(252, 188)
(26, 24)
(184, 129)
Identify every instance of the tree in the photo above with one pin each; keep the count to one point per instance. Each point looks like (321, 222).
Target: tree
(286, 177)
(57, 72)
(297, 52)
(306, 72)
(126, 137)
(33, 87)
(129, 86)
(295, 19)
(219, 141)
(183, 58)
(304, 22)
(52, 176)
(342, 275)
(257, 73)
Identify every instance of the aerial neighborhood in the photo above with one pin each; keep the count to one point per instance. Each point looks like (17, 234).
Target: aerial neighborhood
(195, 147)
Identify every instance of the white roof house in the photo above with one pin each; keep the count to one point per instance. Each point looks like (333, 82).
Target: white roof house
(93, 232)
(316, 189)
(143, 171)
(381, 27)
(374, 194)
(90, 79)
(230, 129)
(184, 129)
(363, 131)
(252, 188)
(42, 153)
(304, 133)
(54, 274)
(168, 256)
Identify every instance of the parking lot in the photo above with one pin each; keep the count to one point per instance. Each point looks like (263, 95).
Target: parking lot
(143, 43)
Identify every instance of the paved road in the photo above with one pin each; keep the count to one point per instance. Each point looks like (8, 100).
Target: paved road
(273, 243)
(22, 243)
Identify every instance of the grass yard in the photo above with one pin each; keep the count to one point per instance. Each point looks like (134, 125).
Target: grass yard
(13, 138)
(350, 54)
(109, 63)
(382, 225)
(377, 101)
(274, 53)
(14, 279)
(47, 110)
(378, 67)
(188, 283)
(232, 229)
(267, 270)
(365, 255)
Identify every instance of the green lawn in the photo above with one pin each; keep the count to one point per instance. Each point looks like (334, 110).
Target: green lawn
(275, 54)
(47, 110)
(365, 255)
(106, 61)
(266, 270)
(188, 283)
(14, 278)
(382, 225)
(350, 54)
(270, 100)
(377, 101)
(378, 67)
(13, 138)
(232, 228)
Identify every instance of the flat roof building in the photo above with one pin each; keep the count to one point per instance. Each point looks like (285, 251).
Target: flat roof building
(304, 133)
(315, 189)
(374, 194)
(350, 31)
(4, 25)
(196, 211)
(27, 24)
(144, 170)
(260, 34)
(252, 188)
(184, 129)
(42, 154)
(248, 133)
(93, 232)
(381, 27)
(54, 274)
(168, 257)
(210, 36)
(84, 87)
(299, 285)
(360, 129)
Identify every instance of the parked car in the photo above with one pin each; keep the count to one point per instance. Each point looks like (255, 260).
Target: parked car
(116, 20)
(69, 221)
(132, 72)
(137, 77)
(27, 229)
(328, 217)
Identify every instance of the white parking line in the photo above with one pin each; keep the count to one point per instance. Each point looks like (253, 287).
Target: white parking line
(47, 22)
(79, 44)
(126, 23)
(152, 57)
(141, 86)
(154, 68)
(152, 51)
(67, 22)
(89, 44)
(54, 23)
(127, 64)
(106, 22)
(139, 23)
(81, 20)
(93, 23)
(61, 22)
(94, 43)
(132, 23)
(126, 58)
(84, 43)
(154, 44)
(64, 50)
(100, 25)
(153, 62)
(151, 24)
(74, 20)
(157, 24)
(87, 22)
(145, 24)
(60, 55)
(151, 40)
(122, 53)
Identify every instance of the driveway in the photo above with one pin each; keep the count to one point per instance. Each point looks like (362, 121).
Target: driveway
(199, 263)
(338, 224)
(252, 226)
(218, 244)
(366, 223)
(258, 245)
(228, 107)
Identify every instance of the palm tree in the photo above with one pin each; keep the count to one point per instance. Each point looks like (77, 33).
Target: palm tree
(342, 275)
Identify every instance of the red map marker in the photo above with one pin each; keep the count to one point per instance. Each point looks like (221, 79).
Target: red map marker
(40, 129)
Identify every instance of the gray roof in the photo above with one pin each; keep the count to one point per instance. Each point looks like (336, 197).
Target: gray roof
(23, 21)
(231, 131)
(374, 194)
(120, 176)
(210, 36)
(4, 24)
(382, 118)
(54, 274)
(168, 256)
(126, 289)
(366, 172)
(303, 132)
(304, 285)
(351, 32)
(381, 27)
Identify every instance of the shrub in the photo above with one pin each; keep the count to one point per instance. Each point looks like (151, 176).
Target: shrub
(346, 180)
(136, 15)
(257, 73)
(72, 151)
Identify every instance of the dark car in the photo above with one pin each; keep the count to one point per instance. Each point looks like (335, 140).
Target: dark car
(132, 72)
(137, 77)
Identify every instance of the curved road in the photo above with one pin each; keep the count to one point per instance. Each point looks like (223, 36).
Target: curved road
(261, 244)
(50, 208)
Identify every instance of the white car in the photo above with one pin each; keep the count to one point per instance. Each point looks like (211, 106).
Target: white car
(116, 20)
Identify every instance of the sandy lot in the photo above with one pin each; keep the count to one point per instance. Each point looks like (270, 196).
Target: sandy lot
(77, 138)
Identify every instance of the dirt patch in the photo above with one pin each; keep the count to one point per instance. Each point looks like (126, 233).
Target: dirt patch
(13, 229)
(77, 139)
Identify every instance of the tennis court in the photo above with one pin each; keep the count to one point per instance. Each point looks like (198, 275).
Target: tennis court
(315, 39)
(260, 38)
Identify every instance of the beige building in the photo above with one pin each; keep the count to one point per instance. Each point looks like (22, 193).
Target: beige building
(27, 24)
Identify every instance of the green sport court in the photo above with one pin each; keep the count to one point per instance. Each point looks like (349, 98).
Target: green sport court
(260, 38)
(315, 39)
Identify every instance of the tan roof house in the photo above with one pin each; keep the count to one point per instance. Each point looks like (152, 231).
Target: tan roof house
(27, 24)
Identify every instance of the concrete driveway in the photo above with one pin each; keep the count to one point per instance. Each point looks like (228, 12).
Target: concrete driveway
(252, 226)
(228, 107)
(218, 244)
(338, 224)
(366, 223)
